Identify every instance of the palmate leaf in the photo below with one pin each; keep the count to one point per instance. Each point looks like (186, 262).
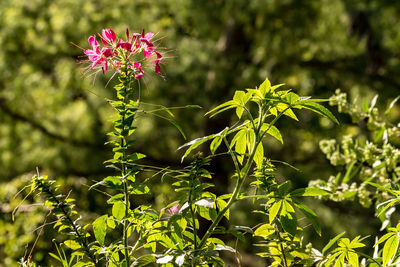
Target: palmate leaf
(317, 108)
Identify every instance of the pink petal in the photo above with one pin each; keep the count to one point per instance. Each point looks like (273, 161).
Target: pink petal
(149, 35)
(108, 35)
(148, 52)
(139, 75)
(93, 42)
(105, 66)
(147, 42)
(157, 69)
(107, 52)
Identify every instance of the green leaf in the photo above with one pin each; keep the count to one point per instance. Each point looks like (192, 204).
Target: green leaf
(391, 105)
(265, 230)
(118, 210)
(225, 106)
(194, 144)
(100, 229)
(177, 126)
(347, 176)
(138, 189)
(353, 259)
(259, 155)
(384, 237)
(215, 144)
(389, 249)
(311, 216)
(274, 210)
(146, 260)
(265, 87)
(208, 214)
(333, 241)
(240, 144)
(284, 188)
(221, 205)
(72, 244)
(289, 223)
(273, 131)
(291, 98)
(317, 108)
(309, 192)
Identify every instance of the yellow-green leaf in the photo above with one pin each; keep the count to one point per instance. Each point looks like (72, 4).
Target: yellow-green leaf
(118, 210)
(72, 244)
(264, 230)
(100, 229)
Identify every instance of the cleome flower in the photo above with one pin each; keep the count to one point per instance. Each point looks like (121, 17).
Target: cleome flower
(137, 52)
(173, 210)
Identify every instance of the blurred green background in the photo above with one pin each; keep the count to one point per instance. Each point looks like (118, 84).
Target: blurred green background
(54, 116)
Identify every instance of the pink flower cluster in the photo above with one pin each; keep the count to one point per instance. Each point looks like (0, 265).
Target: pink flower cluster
(137, 52)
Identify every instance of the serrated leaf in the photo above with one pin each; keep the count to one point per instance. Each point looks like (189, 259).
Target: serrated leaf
(118, 210)
(333, 241)
(100, 229)
(309, 192)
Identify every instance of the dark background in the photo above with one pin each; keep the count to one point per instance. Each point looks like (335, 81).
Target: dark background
(53, 114)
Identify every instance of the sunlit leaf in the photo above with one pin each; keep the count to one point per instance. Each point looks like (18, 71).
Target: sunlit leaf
(118, 210)
(100, 229)
(265, 230)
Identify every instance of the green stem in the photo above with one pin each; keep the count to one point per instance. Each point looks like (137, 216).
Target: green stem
(241, 179)
(284, 256)
(123, 145)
